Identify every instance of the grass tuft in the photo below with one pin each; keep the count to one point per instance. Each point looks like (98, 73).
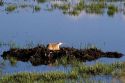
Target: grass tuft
(11, 8)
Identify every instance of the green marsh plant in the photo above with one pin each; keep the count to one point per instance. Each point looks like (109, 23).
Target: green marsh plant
(11, 8)
(112, 10)
(83, 72)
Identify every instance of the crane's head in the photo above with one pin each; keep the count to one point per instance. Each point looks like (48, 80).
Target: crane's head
(60, 43)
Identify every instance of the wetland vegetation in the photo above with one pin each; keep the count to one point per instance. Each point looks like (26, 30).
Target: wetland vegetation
(80, 73)
(69, 64)
(68, 7)
(67, 57)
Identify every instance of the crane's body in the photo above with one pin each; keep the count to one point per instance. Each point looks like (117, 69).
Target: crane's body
(54, 46)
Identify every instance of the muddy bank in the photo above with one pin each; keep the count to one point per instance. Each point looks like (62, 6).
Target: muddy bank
(41, 55)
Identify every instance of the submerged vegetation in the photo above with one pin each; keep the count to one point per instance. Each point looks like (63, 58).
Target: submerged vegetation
(73, 7)
(81, 73)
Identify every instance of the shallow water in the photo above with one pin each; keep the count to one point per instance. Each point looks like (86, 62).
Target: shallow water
(52, 25)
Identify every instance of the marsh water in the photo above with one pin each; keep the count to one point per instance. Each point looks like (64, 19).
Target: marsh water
(76, 23)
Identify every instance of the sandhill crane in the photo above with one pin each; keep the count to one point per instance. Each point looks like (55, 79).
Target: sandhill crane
(54, 46)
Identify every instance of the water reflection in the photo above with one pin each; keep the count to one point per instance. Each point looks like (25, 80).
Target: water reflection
(67, 7)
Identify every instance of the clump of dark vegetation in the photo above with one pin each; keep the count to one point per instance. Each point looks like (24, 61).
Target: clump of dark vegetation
(112, 10)
(37, 8)
(41, 55)
(41, 1)
(11, 8)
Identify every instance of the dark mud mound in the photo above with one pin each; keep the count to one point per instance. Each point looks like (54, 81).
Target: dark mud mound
(41, 55)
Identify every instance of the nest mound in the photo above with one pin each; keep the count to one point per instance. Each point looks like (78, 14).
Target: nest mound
(41, 55)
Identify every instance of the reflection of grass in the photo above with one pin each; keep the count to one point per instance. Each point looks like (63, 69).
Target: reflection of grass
(76, 73)
(11, 8)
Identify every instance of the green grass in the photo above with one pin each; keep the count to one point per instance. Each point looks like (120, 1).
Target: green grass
(82, 71)
(112, 10)
(99, 68)
(25, 77)
(11, 8)
(66, 60)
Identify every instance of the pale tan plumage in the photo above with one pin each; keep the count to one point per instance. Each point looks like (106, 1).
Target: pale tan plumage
(54, 46)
